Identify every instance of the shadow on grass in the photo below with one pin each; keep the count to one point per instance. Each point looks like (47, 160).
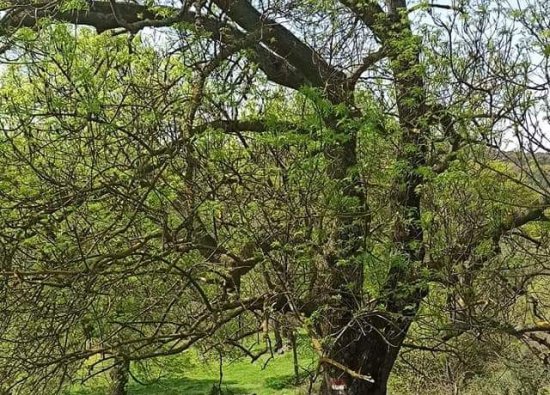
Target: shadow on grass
(288, 381)
(188, 386)
(176, 386)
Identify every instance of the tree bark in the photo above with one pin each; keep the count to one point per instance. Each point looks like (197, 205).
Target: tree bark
(370, 346)
(119, 376)
(278, 337)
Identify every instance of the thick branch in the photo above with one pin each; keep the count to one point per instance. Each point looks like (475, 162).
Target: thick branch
(282, 41)
(104, 15)
(518, 220)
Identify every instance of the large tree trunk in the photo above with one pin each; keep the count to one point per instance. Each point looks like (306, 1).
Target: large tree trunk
(370, 355)
(367, 339)
(365, 349)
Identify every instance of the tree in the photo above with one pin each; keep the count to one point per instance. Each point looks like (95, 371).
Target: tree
(268, 160)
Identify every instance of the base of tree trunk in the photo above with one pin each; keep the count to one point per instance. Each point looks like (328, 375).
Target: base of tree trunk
(119, 376)
(364, 388)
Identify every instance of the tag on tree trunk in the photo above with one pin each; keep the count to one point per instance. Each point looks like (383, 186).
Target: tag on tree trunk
(338, 384)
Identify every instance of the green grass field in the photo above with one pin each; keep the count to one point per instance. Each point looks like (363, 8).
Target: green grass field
(190, 374)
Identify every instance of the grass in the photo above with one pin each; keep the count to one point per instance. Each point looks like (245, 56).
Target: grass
(190, 374)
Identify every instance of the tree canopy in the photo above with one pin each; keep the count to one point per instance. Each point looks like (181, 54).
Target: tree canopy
(189, 174)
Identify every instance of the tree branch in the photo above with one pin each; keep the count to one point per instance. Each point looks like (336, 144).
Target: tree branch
(106, 15)
(369, 12)
(368, 61)
(283, 42)
(425, 6)
(518, 220)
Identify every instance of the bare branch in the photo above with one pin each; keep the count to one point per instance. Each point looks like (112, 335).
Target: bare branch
(368, 61)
